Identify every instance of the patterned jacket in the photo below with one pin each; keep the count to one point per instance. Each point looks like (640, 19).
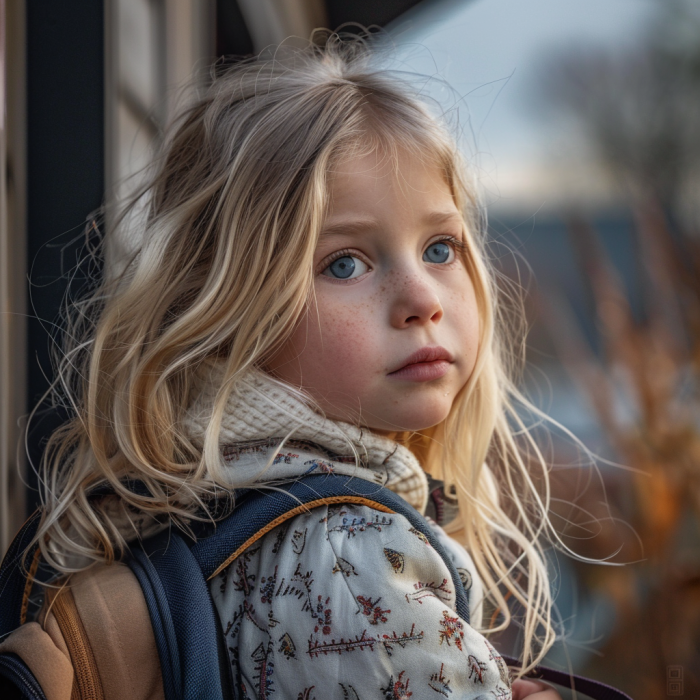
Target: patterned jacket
(340, 603)
(350, 603)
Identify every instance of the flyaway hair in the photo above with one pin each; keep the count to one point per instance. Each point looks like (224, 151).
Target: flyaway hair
(228, 222)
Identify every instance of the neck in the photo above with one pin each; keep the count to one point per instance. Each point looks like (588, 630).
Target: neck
(259, 407)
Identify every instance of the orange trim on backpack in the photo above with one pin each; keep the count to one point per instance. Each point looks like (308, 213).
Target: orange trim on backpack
(86, 681)
(28, 586)
(303, 508)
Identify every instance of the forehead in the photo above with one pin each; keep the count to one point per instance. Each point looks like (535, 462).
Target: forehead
(378, 179)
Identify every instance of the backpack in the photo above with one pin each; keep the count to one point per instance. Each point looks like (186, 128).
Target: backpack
(173, 569)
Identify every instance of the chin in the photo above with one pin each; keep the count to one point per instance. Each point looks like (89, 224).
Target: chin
(425, 417)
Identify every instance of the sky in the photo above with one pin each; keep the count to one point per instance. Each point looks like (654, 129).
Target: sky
(491, 52)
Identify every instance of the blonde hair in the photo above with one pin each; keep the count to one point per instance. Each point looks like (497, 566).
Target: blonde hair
(234, 207)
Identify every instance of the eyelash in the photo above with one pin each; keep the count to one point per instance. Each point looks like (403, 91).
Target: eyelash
(456, 243)
(340, 254)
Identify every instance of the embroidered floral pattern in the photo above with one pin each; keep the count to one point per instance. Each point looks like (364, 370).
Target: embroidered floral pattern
(452, 630)
(397, 689)
(354, 525)
(353, 582)
(284, 458)
(360, 642)
(476, 668)
(267, 587)
(264, 669)
(232, 453)
(344, 567)
(439, 683)
(396, 559)
(243, 580)
(287, 646)
(371, 608)
(422, 590)
(500, 663)
(299, 541)
(279, 538)
(318, 465)
(349, 693)
(322, 615)
(419, 535)
(388, 641)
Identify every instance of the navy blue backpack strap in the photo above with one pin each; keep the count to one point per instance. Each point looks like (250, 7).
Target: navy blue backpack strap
(258, 512)
(174, 572)
(194, 662)
(22, 565)
(16, 574)
(17, 682)
(16, 577)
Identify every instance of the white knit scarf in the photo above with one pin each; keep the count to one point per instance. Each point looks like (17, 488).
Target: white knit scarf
(261, 407)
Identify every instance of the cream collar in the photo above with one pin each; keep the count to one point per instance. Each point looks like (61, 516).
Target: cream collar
(261, 412)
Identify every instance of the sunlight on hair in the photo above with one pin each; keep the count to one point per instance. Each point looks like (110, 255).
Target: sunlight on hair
(224, 231)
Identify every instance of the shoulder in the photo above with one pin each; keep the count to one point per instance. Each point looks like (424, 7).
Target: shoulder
(356, 582)
(339, 546)
(463, 562)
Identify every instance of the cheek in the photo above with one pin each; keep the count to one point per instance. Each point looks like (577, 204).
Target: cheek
(466, 324)
(471, 322)
(329, 349)
(348, 340)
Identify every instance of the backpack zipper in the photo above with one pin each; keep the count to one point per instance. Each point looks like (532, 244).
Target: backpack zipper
(13, 669)
(86, 680)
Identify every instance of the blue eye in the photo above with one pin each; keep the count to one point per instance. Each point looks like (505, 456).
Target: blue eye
(438, 252)
(345, 268)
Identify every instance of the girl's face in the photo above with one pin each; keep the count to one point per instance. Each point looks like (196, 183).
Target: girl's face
(392, 334)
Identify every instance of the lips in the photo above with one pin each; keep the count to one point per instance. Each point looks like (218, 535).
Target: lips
(424, 365)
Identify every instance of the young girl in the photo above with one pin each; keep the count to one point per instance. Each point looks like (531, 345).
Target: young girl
(310, 292)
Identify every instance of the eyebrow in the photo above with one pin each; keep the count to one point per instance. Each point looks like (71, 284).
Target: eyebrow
(350, 226)
(360, 225)
(443, 217)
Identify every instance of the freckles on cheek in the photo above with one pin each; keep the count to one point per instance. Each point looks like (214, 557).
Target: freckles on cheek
(344, 340)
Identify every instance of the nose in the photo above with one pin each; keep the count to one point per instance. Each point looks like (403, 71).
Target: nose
(415, 302)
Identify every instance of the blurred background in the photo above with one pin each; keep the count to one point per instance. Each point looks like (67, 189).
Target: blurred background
(581, 123)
